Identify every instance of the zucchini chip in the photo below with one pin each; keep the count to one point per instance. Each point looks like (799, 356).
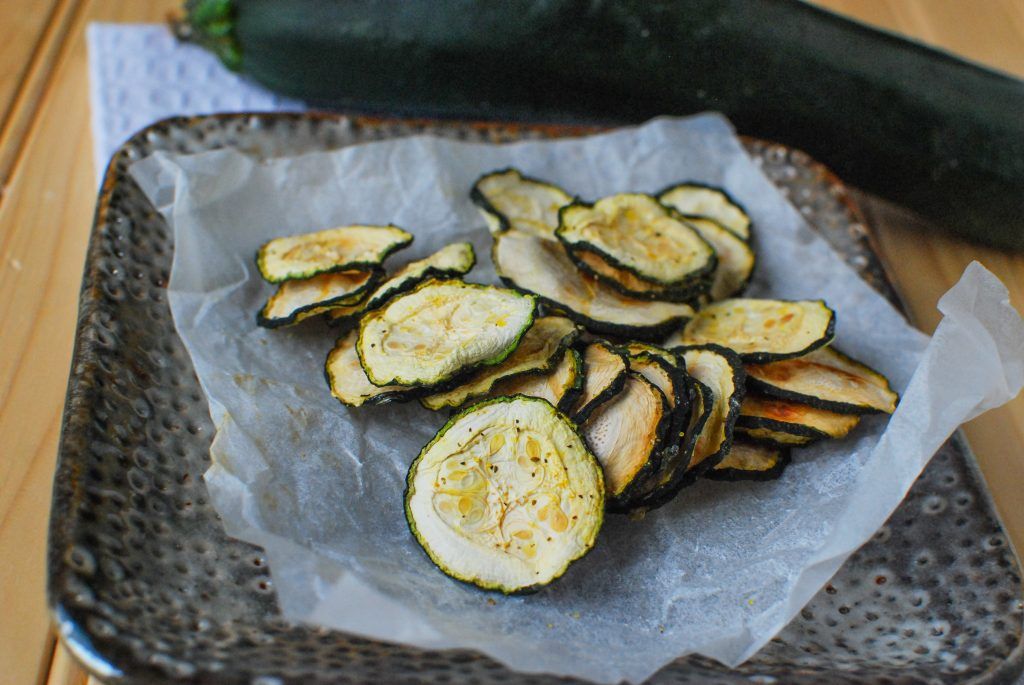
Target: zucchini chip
(672, 475)
(828, 379)
(735, 258)
(506, 496)
(750, 461)
(763, 330)
(542, 267)
(560, 386)
(348, 382)
(298, 300)
(335, 249)
(450, 261)
(696, 199)
(672, 383)
(629, 284)
(626, 435)
(508, 199)
(774, 437)
(720, 370)
(538, 351)
(636, 233)
(604, 375)
(759, 411)
(440, 330)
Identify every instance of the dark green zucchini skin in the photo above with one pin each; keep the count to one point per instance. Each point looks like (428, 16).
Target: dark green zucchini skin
(941, 135)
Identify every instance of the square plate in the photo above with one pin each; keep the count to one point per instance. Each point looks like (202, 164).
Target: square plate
(145, 585)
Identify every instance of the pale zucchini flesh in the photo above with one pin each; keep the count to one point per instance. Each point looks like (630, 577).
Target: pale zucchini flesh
(539, 351)
(828, 379)
(760, 411)
(763, 330)
(508, 199)
(543, 268)
(301, 299)
(559, 386)
(707, 201)
(736, 258)
(441, 330)
(348, 382)
(636, 233)
(626, 434)
(604, 375)
(750, 461)
(452, 260)
(345, 248)
(506, 496)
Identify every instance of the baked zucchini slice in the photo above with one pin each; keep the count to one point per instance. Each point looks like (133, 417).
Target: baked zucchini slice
(763, 330)
(543, 268)
(506, 496)
(750, 461)
(348, 382)
(760, 411)
(336, 249)
(441, 330)
(450, 261)
(697, 199)
(636, 233)
(736, 258)
(828, 379)
(604, 375)
(627, 283)
(722, 371)
(672, 474)
(508, 199)
(539, 351)
(626, 435)
(671, 381)
(301, 299)
(777, 438)
(561, 386)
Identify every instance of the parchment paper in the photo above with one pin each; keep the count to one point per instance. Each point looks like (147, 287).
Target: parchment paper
(319, 486)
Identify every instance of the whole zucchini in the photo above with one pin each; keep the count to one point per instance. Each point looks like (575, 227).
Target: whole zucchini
(941, 135)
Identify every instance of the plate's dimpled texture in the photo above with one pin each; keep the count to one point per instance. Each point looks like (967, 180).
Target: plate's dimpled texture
(141, 567)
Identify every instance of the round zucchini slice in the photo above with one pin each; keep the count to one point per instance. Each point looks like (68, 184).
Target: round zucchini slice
(605, 374)
(735, 258)
(298, 300)
(760, 411)
(720, 370)
(629, 284)
(335, 249)
(636, 233)
(696, 199)
(777, 438)
(560, 386)
(348, 382)
(543, 268)
(672, 382)
(750, 461)
(508, 199)
(440, 330)
(506, 496)
(539, 351)
(450, 261)
(828, 379)
(763, 330)
(626, 435)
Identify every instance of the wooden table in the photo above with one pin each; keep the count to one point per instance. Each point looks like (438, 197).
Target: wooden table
(47, 191)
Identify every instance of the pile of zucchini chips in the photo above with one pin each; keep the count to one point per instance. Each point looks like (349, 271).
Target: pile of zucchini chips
(617, 367)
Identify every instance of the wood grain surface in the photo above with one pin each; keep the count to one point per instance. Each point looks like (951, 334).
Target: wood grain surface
(46, 204)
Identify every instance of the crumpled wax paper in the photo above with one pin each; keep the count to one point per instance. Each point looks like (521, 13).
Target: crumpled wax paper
(319, 486)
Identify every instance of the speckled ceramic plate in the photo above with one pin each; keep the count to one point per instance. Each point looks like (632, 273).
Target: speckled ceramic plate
(145, 585)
